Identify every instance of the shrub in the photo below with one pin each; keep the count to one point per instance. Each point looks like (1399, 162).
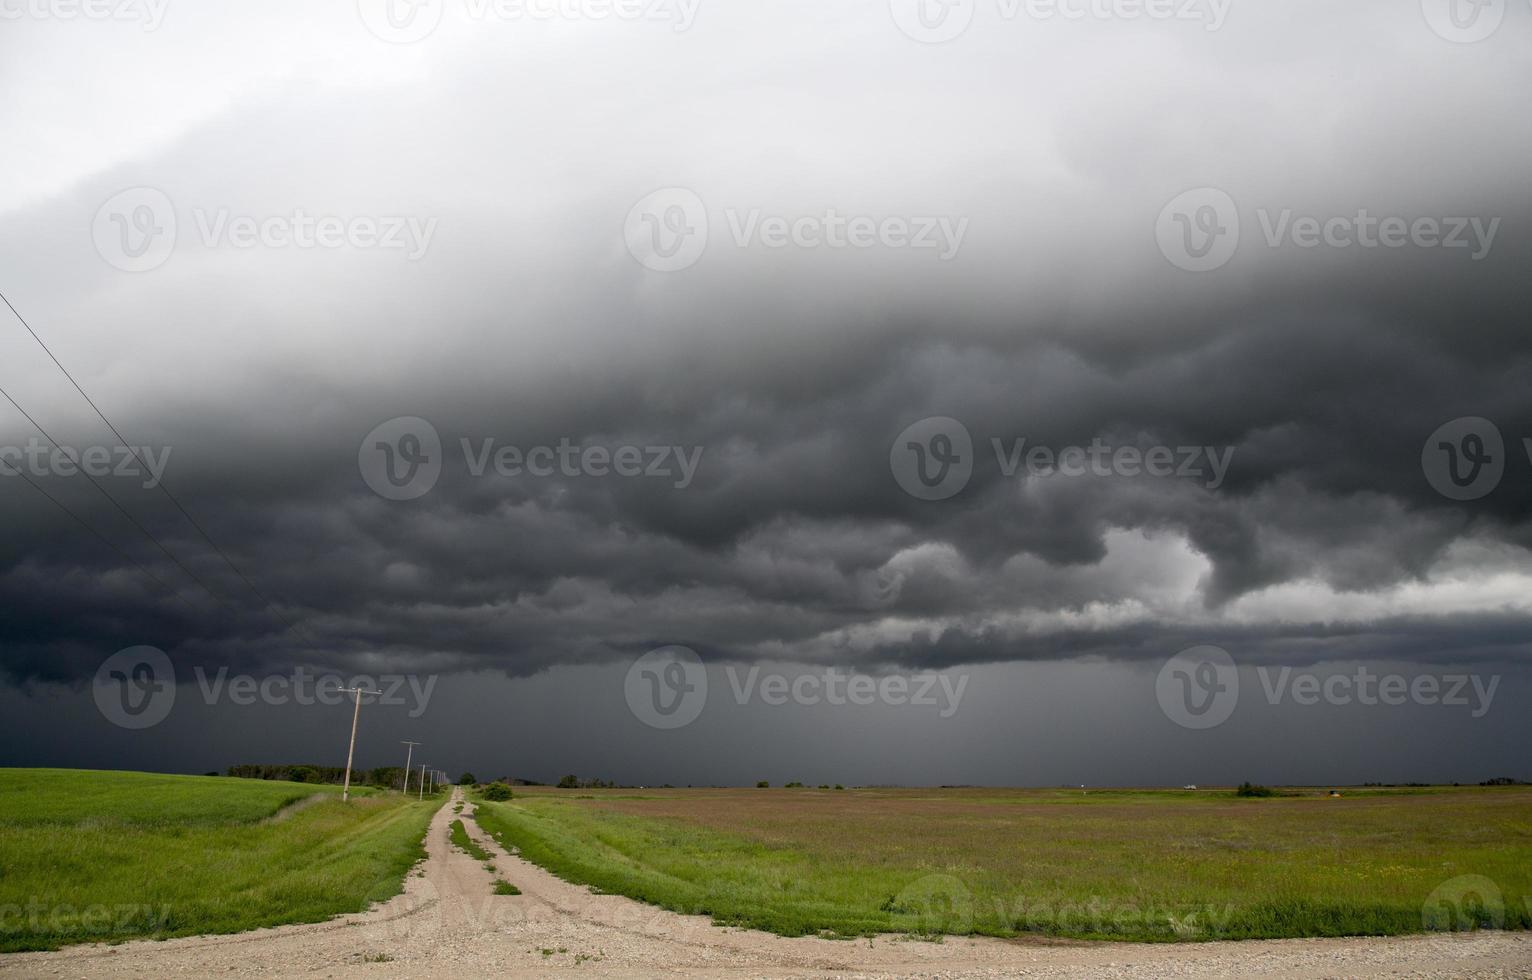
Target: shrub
(763, 784)
(1251, 789)
(497, 792)
(467, 779)
(569, 782)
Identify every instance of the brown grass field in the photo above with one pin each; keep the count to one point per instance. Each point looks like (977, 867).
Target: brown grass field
(1129, 864)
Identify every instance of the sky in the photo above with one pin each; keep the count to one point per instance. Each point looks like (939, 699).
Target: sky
(1013, 392)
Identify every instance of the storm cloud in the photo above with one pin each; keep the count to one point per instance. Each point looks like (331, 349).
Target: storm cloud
(1315, 369)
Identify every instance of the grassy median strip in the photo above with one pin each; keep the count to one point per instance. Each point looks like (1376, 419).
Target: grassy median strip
(110, 856)
(466, 844)
(1152, 866)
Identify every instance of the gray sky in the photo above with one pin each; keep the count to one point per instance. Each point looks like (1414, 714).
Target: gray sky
(1263, 264)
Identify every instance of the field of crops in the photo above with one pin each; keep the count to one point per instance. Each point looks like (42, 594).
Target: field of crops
(1119, 864)
(105, 856)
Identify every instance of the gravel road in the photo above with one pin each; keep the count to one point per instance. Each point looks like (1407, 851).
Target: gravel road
(449, 924)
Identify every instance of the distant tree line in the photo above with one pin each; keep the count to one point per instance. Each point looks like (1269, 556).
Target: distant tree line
(385, 777)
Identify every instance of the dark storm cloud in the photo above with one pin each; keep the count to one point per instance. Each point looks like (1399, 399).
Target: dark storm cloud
(1324, 371)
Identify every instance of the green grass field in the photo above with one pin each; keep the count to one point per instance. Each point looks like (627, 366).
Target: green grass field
(107, 856)
(1134, 865)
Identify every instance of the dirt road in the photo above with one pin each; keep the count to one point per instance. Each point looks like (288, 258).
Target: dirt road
(449, 924)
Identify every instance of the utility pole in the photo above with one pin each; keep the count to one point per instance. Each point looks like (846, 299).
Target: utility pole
(345, 792)
(407, 757)
(422, 780)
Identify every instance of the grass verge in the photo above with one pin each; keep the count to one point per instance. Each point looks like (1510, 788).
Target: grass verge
(111, 856)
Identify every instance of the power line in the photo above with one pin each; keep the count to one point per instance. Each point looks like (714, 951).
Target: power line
(103, 538)
(113, 500)
(161, 483)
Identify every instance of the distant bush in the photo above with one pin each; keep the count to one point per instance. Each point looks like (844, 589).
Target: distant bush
(467, 779)
(1251, 789)
(497, 792)
(763, 784)
(839, 786)
(569, 782)
(793, 785)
